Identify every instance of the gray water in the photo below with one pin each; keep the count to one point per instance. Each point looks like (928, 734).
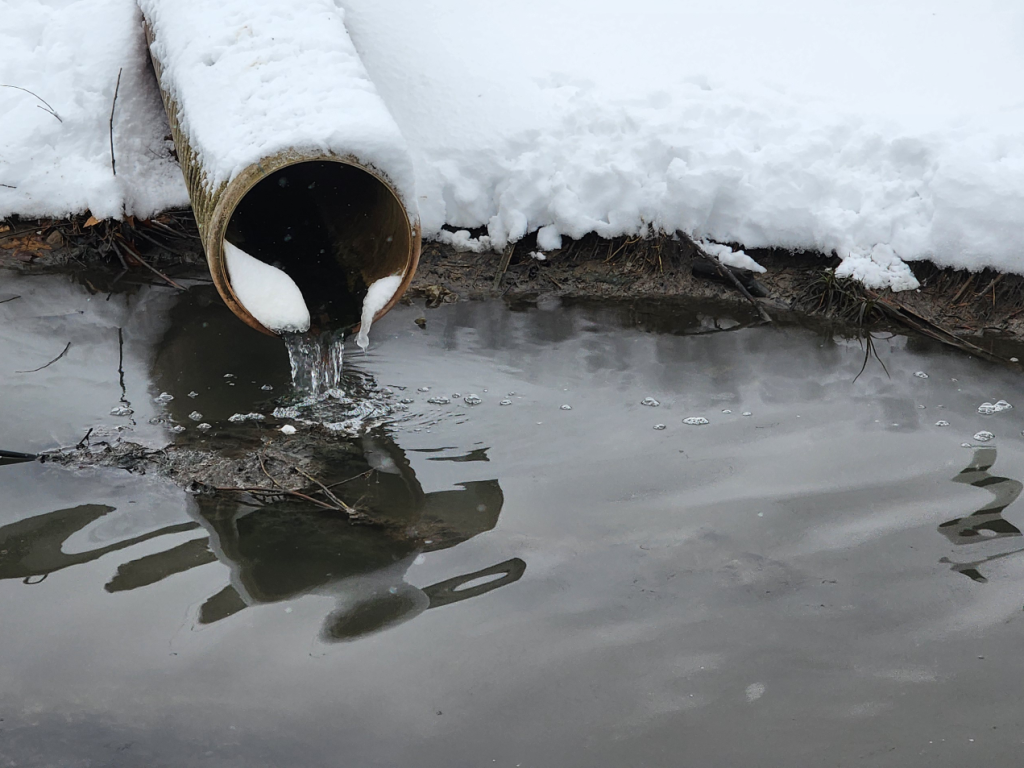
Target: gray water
(830, 580)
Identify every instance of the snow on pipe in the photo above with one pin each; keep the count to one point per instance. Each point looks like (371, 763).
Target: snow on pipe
(287, 150)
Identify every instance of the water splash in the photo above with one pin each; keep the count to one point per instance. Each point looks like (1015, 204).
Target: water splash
(316, 360)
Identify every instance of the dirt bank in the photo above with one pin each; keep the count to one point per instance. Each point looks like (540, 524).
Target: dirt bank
(982, 313)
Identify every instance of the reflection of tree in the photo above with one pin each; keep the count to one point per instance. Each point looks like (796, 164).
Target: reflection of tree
(282, 550)
(987, 522)
(31, 549)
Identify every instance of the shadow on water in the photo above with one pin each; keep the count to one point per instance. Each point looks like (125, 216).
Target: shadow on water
(280, 551)
(986, 523)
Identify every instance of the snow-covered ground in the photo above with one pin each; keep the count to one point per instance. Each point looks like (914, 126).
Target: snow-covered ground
(886, 131)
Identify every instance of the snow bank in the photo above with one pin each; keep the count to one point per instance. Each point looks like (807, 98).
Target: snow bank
(254, 79)
(840, 126)
(69, 53)
(883, 131)
(269, 294)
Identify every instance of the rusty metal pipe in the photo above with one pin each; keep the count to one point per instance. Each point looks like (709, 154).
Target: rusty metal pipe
(351, 208)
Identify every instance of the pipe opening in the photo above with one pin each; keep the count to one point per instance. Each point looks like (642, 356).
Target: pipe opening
(333, 227)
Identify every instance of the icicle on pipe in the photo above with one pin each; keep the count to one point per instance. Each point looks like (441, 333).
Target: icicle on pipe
(377, 297)
(288, 151)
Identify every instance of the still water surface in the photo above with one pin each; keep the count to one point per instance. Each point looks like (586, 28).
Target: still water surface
(830, 580)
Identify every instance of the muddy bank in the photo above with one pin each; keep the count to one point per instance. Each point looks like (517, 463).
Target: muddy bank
(982, 313)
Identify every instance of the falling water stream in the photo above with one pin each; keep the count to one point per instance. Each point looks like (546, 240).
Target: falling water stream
(316, 360)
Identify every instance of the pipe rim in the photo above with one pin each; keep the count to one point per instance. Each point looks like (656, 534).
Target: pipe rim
(234, 191)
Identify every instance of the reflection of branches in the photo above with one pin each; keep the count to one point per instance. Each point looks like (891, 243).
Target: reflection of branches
(58, 357)
(988, 520)
(970, 570)
(280, 491)
(47, 108)
(869, 350)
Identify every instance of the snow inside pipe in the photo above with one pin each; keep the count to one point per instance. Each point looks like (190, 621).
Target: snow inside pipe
(300, 181)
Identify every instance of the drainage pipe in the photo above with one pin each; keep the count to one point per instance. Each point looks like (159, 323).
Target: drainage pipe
(287, 150)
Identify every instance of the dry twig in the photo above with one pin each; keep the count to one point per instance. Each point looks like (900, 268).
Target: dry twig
(113, 104)
(47, 108)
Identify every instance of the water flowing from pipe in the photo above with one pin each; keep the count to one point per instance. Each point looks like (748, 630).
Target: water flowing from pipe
(316, 360)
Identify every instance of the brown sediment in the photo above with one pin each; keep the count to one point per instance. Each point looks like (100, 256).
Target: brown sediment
(978, 312)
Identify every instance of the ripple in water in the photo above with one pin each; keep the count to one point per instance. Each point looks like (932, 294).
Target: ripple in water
(324, 394)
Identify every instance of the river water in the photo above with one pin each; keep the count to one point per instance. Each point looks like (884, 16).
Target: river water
(819, 575)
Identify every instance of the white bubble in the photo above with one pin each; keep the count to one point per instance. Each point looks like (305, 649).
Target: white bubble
(505, 402)
(921, 375)
(193, 394)
(984, 437)
(121, 410)
(942, 423)
(196, 416)
(423, 389)
(163, 398)
(650, 401)
(659, 427)
(288, 429)
(695, 421)
(440, 400)
(566, 407)
(747, 413)
(238, 417)
(177, 429)
(266, 388)
(204, 427)
(726, 411)
(987, 409)
(472, 399)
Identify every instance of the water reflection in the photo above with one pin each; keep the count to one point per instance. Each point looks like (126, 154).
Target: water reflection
(987, 522)
(283, 550)
(32, 549)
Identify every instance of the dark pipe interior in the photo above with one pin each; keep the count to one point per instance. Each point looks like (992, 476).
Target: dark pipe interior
(331, 227)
